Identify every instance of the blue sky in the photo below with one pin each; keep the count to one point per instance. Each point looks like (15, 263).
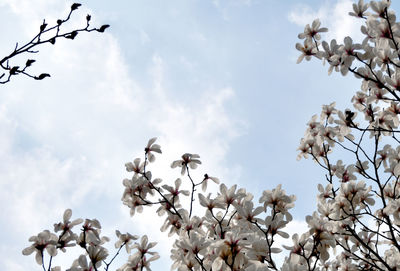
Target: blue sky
(213, 77)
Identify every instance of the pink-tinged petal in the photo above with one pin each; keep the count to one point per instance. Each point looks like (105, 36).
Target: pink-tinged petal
(143, 241)
(96, 223)
(176, 163)
(152, 244)
(33, 239)
(151, 141)
(28, 250)
(348, 41)
(153, 258)
(156, 148)
(178, 183)
(82, 261)
(38, 257)
(67, 215)
(301, 57)
(299, 46)
(214, 179)
(151, 157)
(126, 182)
(51, 250)
(184, 192)
(76, 222)
(129, 167)
(44, 235)
(258, 211)
(316, 24)
(157, 181)
(204, 186)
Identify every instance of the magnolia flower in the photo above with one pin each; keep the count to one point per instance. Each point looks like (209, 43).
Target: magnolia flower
(298, 245)
(379, 7)
(97, 254)
(332, 55)
(134, 264)
(312, 32)
(307, 50)
(194, 243)
(293, 265)
(248, 212)
(188, 160)
(345, 122)
(210, 203)
(383, 54)
(325, 193)
(392, 257)
(150, 148)
(136, 166)
(43, 241)
(174, 191)
(90, 233)
(348, 54)
(359, 100)
(257, 266)
(276, 224)
(394, 80)
(125, 239)
(228, 196)
(360, 9)
(81, 264)
(259, 252)
(144, 248)
(277, 199)
(229, 251)
(327, 112)
(174, 222)
(205, 180)
(67, 225)
(65, 241)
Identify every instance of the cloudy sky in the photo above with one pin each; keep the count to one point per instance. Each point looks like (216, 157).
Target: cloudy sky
(213, 77)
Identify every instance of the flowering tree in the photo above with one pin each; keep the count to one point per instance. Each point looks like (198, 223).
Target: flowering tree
(357, 223)
(358, 208)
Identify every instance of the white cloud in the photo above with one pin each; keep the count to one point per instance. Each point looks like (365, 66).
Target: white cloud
(303, 14)
(217, 3)
(198, 37)
(38, 8)
(144, 37)
(225, 7)
(332, 15)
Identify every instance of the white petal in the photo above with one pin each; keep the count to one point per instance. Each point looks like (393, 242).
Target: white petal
(67, 215)
(38, 257)
(151, 141)
(28, 250)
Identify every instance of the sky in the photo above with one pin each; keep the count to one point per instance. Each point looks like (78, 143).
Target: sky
(213, 77)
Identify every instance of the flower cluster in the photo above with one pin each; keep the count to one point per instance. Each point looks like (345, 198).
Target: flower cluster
(233, 233)
(358, 208)
(90, 240)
